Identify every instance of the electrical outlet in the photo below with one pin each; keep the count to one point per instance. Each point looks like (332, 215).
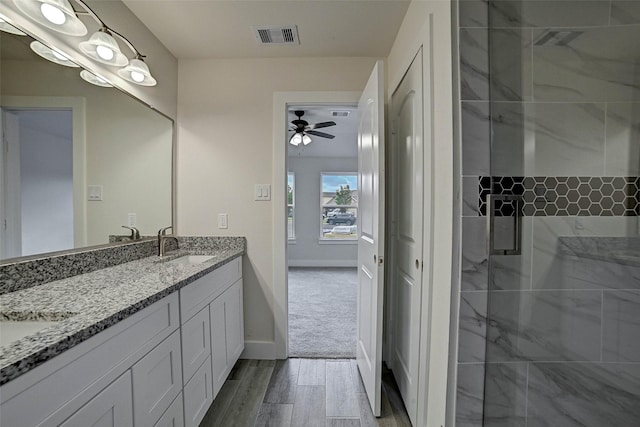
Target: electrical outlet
(132, 220)
(94, 193)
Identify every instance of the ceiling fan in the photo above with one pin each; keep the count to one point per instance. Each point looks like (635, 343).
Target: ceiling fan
(303, 129)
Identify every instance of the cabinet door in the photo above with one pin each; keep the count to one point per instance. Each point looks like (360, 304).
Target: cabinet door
(112, 407)
(198, 395)
(195, 343)
(234, 323)
(218, 343)
(174, 417)
(157, 380)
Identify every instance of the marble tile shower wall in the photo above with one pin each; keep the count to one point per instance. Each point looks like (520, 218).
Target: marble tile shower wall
(550, 89)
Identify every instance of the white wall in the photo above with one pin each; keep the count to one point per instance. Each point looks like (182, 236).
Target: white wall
(225, 146)
(307, 250)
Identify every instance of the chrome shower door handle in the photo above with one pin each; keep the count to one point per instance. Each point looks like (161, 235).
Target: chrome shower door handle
(504, 233)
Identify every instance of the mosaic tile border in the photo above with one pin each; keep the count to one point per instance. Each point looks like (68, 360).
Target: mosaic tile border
(563, 195)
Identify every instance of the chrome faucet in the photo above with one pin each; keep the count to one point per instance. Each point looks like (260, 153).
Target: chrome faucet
(162, 239)
(135, 233)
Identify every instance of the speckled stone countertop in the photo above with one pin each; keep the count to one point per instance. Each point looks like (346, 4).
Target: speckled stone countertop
(89, 303)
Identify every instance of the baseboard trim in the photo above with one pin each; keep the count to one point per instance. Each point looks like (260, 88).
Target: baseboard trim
(322, 263)
(265, 350)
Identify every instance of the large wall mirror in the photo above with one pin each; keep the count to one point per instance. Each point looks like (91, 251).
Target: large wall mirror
(79, 161)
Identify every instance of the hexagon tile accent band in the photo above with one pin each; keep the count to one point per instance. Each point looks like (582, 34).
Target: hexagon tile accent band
(564, 195)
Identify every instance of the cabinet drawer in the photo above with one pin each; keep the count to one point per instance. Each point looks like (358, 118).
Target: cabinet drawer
(198, 395)
(197, 295)
(196, 345)
(174, 417)
(157, 380)
(112, 407)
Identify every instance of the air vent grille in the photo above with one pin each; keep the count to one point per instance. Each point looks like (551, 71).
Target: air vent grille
(341, 113)
(277, 35)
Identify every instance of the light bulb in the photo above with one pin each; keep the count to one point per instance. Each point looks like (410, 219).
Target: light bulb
(137, 76)
(60, 56)
(306, 139)
(104, 52)
(296, 140)
(53, 14)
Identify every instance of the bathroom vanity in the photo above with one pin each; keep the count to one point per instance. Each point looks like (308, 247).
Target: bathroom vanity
(146, 343)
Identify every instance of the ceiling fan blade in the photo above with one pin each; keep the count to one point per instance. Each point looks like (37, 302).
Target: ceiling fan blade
(320, 134)
(321, 125)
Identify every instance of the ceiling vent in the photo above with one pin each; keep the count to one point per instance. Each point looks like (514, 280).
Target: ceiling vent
(277, 35)
(341, 113)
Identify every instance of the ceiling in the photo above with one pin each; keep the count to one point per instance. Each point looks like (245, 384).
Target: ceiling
(345, 131)
(205, 29)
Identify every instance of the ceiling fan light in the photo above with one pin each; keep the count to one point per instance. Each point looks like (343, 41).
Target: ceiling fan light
(306, 139)
(103, 48)
(51, 55)
(296, 139)
(57, 15)
(9, 28)
(137, 72)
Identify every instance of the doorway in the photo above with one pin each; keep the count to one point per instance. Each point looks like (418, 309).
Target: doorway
(37, 181)
(322, 221)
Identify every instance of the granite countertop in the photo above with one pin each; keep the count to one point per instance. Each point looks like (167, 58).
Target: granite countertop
(89, 303)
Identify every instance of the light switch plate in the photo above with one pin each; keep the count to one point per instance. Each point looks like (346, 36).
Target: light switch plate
(262, 192)
(223, 220)
(132, 220)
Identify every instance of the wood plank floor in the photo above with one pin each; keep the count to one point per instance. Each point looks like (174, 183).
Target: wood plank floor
(302, 393)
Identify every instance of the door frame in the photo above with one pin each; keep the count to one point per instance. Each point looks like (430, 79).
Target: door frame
(281, 102)
(78, 111)
(435, 38)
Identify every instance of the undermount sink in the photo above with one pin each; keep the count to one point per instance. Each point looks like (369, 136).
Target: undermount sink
(15, 326)
(13, 330)
(191, 259)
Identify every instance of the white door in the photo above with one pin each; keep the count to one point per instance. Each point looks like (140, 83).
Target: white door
(371, 235)
(406, 233)
(11, 192)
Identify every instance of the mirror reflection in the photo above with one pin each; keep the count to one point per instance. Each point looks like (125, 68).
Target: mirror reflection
(80, 161)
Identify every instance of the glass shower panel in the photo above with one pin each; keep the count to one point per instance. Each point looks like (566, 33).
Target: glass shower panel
(562, 341)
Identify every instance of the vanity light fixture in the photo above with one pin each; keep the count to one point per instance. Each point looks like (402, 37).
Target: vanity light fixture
(57, 15)
(137, 72)
(52, 55)
(8, 28)
(94, 79)
(103, 48)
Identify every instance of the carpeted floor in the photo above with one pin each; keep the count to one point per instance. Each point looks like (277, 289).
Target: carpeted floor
(322, 312)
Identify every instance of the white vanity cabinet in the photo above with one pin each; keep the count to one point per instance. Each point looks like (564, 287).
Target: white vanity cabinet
(212, 336)
(154, 368)
(227, 333)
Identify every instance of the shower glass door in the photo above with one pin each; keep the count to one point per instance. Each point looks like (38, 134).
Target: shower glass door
(563, 305)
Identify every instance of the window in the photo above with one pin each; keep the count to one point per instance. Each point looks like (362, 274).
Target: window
(291, 228)
(339, 206)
